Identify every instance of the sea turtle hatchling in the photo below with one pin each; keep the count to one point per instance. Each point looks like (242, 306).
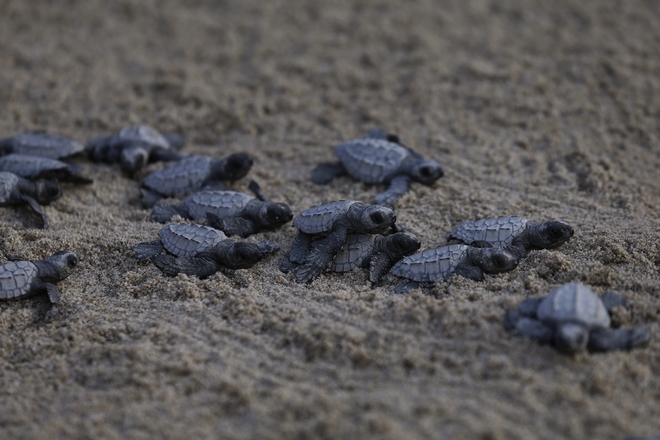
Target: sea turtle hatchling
(516, 234)
(38, 144)
(135, 146)
(380, 159)
(441, 263)
(232, 212)
(16, 190)
(331, 223)
(23, 279)
(189, 175)
(200, 250)
(573, 318)
(33, 167)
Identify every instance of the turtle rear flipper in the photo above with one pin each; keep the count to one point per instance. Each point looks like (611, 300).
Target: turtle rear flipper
(606, 339)
(232, 225)
(612, 300)
(324, 173)
(202, 267)
(163, 212)
(398, 187)
(148, 249)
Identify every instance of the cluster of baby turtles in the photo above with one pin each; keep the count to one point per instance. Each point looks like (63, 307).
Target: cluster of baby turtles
(338, 236)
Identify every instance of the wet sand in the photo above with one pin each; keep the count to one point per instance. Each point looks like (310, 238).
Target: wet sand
(543, 110)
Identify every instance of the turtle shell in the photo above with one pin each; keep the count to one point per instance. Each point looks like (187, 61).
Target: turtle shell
(8, 182)
(357, 248)
(372, 160)
(143, 133)
(184, 240)
(50, 146)
(182, 177)
(498, 231)
(321, 218)
(573, 302)
(431, 264)
(30, 166)
(16, 279)
(221, 203)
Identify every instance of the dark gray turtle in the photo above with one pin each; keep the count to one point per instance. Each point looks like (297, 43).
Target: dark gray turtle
(189, 175)
(23, 279)
(50, 146)
(573, 318)
(232, 212)
(516, 234)
(332, 222)
(200, 250)
(16, 190)
(135, 146)
(33, 167)
(378, 253)
(380, 158)
(443, 262)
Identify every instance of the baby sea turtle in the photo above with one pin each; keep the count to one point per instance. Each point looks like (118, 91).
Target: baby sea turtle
(33, 167)
(50, 146)
(23, 279)
(16, 190)
(516, 234)
(232, 212)
(443, 262)
(331, 223)
(135, 146)
(189, 175)
(200, 250)
(573, 318)
(380, 158)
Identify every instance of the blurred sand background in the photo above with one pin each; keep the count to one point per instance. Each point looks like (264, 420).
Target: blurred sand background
(548, 110)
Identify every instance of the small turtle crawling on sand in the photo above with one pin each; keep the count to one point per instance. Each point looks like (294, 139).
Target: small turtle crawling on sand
(135, 146)
(380, 158)
(200, 250)
(16, 190)
(23, 279)
(573, 318)
(443, 262)
(33, 167)
(191, 174)
(232, 212)
(50, 146)
(516, 234)
(331, 223)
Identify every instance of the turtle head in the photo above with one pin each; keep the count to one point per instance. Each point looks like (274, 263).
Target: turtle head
(402, 244)
(47, 191)
(571, 338)
(376, 219)
(427, 171)
(242, 255)
(553, 234)
(275, 214)
(234, 166)
(496, 260)
(61, 264)
(134, 157)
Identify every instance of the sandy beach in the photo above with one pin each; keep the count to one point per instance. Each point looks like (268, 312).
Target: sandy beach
(546, 110)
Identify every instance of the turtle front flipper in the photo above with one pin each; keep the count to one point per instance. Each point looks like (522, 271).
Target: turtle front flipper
(300, 248)
(530, 328)
(149, 197)
(406, 286)
(163, 212)
(202, 267)
(481, 244)
(231, 225)
(148, 249)
(321, 256)
(54, 297)
(606, 339)
(256, 190)
(37, 209)
(470, 272)
(160, 154)
(379, 265)
(529, 307)
(611, 300)
(398, 187)
(268, 247)
(324, 173)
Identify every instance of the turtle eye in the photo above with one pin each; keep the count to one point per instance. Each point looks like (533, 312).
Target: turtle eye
(393, 138)
(72, 262)
(426, 171)
(377, 218)
(499, 261)
(556, 233)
